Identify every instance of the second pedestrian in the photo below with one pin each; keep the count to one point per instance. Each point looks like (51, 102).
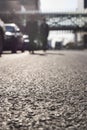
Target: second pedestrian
(44, 32)
(31, 29)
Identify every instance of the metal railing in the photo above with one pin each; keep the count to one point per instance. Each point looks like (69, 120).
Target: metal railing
(76, 21)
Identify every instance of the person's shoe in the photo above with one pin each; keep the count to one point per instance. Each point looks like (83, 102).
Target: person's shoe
(32, 52)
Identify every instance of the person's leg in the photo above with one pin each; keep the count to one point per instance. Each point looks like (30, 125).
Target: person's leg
(1, 47)
(31, 48)
(30, 45)
(44, 44)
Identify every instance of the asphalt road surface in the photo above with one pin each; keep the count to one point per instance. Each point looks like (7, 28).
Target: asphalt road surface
(43, 91)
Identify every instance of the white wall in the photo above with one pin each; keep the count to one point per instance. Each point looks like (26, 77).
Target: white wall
(80, 5)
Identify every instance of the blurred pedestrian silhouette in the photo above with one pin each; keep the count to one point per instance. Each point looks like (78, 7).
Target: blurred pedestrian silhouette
(1, 39)
(44, 32)
(32, 29)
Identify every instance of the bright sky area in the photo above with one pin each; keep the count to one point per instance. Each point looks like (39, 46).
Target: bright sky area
(59, 6)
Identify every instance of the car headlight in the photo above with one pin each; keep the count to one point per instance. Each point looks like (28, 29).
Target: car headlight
(9, 35)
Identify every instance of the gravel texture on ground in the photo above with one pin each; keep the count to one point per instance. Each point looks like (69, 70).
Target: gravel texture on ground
(43, 91)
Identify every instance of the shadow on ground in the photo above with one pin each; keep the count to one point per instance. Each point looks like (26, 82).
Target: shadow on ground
(48, 53)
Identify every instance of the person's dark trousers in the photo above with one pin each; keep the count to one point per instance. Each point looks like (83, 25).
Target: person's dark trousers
(44, 44)
(31, 46)
(1, 48)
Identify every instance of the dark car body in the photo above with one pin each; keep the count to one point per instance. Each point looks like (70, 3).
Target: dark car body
(13, 38)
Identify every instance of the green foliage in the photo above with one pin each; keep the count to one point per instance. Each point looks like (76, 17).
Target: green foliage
(70, 45)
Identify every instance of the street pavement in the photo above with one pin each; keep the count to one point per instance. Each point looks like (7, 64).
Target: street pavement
(43, 91)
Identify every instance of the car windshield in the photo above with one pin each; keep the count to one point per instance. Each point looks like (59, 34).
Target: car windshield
(9, 28)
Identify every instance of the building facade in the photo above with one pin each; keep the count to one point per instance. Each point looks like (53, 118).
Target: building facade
(30, 5)
(82, 5)
(15, 5)
(82, 36)
(9, 9)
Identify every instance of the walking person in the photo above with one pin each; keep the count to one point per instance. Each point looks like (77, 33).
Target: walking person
(1, 39)
(44, 32)
(31, 29)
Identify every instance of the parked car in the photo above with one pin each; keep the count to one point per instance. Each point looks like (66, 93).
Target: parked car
(13, 38)
(58, 45)
(2, 35)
